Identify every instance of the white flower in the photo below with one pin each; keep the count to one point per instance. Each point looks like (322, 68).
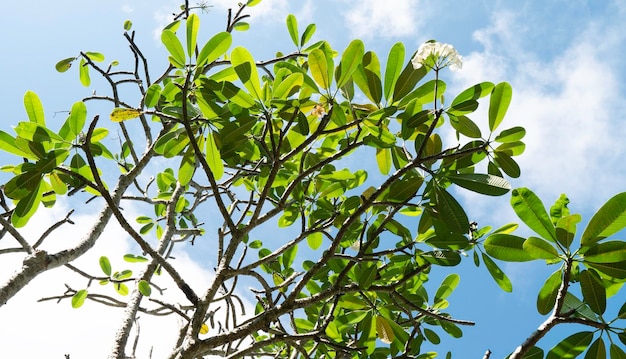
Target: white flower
(356, 245)
(437, 55)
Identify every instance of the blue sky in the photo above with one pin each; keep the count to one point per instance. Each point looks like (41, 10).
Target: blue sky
(564, 60)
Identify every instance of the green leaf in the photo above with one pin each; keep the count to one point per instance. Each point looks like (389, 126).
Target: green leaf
(465, 126)
(407, 80)
(34, 108)
(622, 313)
(350, 60)
(121, 288)
(284, 89)
(193, 24)
(451, 241)
(22, 185)
(144, 288)
(507, 164)
(152, 95)
(187, 167)
(506, 247)
(597, 350)
(246, 70)
(531, 211)
(8, 144)
(540, 249)
(314, 240)
(481, 183)
(463, 108)
(95, 56)
(451, 329)
(131, 258)
(431, 336)
(451, 212)
(534, 353)
(51, 160)
(473, 93)
(571, 303)
(511, 135)
(105, 265)
(593, 291)
(395, 60)
(511, 148)
(447, 287)
(58, 186)
(404, 189)
(173, 26)
(319, 68)
(383, 159)
(34, 132)
(499, 104)
(442, 257)
(99, 134)
(366, 274)
(498, 275)
(608, 220)
(289, 255)
(128, 25)
(507, 228)
(64, 64)
(78, 299)
(292, 27)
(566, 229)
(83, 73)
(367, 77)
(146, 228)
(27, 206)
(307, 34)
(288, 218)
(425, 93)
(174, 47)
(559, 208)
(77, 118)
(125, 274)
(616, 352)
(214, 48)
(607, 252)
(213, 157)
(613, 270)
(548, 292)
(571, 346)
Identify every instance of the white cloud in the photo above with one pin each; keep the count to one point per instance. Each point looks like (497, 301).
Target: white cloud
(87, 332)
(162, 16)
(375, 18)
(568, 105)
(58, 328)
(127, 8)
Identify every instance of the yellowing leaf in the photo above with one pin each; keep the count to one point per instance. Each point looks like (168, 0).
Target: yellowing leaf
(383, 330)
(383, 158)
(204, 328)
(122, 114)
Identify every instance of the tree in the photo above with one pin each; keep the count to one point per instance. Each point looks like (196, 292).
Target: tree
(256, 145)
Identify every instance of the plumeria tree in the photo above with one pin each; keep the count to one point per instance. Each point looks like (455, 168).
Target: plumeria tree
(346, 158)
